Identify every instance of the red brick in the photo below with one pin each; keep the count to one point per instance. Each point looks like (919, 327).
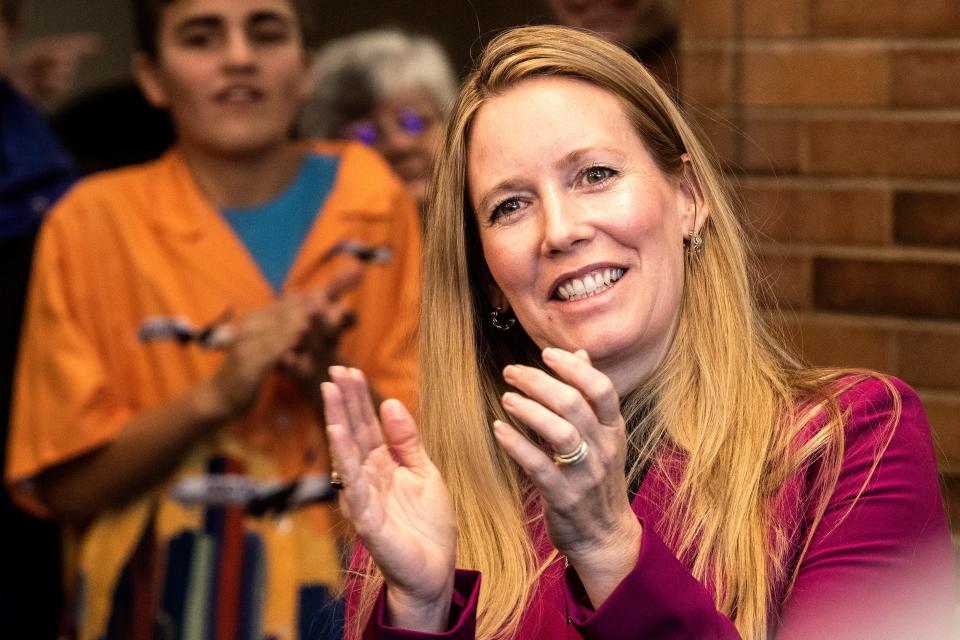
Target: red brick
(885, 147)
(827, 341)
(707, 77)
(926, 78)
(909, 289)
(929, 358)
(802, 214)
(788, 279)
(775, 18)
(707, 18)
(950, 485)
(773, 146)
(884, 17)
(815, 76)
(943, 412)
(718, 132)
(927, 218)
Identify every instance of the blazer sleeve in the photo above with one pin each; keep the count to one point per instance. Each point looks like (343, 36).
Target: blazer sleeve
(659, 598)
(462, 623)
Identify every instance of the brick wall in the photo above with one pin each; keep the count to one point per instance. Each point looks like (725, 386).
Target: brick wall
(841, 122)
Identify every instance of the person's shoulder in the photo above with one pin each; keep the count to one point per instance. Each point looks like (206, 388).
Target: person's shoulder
(356, 158)
(867, 396)
(108, 191)
(365, 182)
(881, 411)
(109, 207)
(870, 405)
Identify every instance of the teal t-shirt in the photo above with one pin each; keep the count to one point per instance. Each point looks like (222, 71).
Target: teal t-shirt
(273, 232)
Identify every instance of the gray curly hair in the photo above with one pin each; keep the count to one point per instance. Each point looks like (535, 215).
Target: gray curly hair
(353, 74)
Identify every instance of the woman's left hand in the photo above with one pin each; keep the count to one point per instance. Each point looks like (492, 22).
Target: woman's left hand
(586, 507)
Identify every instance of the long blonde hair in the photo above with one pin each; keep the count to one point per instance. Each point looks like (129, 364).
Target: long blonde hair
(728, 400)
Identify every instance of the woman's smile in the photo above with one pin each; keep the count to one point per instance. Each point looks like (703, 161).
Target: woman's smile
(593, 283)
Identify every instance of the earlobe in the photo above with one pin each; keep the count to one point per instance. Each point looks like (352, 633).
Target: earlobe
(501, 317)
(147, 75)
(695, 209)
(496, 298)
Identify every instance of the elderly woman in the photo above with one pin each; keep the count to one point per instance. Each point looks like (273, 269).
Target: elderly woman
(387, 89)
(609, 434)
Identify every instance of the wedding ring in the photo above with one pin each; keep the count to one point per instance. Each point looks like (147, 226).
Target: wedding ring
(578, 455)
(336, 481)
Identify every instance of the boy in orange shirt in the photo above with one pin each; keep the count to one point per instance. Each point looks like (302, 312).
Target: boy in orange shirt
(188, 469)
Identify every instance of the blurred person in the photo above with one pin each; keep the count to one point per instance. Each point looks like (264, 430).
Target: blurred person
(44, 69)
(388, 89)
(646, 28)
(612, 442)
(34, 173)
(181, 316)
(102, 128)
(34, 170)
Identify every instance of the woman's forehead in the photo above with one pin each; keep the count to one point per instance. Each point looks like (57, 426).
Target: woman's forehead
(553, 112)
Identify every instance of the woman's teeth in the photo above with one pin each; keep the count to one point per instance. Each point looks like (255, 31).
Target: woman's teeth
(589, 285)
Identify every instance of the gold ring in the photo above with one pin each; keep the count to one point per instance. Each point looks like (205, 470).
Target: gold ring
(576, 456)
(336, 481)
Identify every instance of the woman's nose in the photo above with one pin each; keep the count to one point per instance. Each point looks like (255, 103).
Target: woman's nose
(565, 224)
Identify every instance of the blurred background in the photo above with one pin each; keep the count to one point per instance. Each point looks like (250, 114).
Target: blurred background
(838, 120)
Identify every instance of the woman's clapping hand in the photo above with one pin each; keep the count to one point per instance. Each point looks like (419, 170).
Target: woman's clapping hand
(395, 499)
(586, 507)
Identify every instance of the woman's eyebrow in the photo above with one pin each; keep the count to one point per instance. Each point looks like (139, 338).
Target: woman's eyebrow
(576, 156)
(510, 184)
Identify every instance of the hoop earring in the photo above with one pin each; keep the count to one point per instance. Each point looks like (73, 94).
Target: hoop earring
(695, 244)
(502, 320)
(695, 241)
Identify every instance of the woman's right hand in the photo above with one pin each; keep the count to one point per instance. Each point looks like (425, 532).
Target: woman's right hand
(395, 499)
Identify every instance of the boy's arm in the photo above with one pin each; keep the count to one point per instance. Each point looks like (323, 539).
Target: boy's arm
(76, 448)
(143, 453)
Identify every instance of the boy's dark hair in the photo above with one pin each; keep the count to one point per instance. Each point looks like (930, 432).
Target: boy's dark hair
(10, 11)
(146, 23)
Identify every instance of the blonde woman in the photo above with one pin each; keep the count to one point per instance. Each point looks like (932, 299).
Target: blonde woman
(609, 436)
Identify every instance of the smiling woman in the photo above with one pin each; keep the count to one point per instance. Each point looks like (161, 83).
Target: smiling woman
(625, 451)
(562, 204)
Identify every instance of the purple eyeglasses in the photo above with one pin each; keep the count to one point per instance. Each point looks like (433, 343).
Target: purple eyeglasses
(407, 119)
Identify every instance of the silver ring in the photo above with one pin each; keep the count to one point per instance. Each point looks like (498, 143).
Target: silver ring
(578, 455)
(336, 482)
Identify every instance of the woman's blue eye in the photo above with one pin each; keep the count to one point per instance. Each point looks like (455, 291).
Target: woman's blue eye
(505, 208)
(593, 175)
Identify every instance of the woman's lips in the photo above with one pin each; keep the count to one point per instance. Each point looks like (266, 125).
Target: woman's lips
(587, 284)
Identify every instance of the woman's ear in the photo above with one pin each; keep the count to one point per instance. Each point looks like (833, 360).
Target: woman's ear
(695, 209)
(496, 297)
(148, 77)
